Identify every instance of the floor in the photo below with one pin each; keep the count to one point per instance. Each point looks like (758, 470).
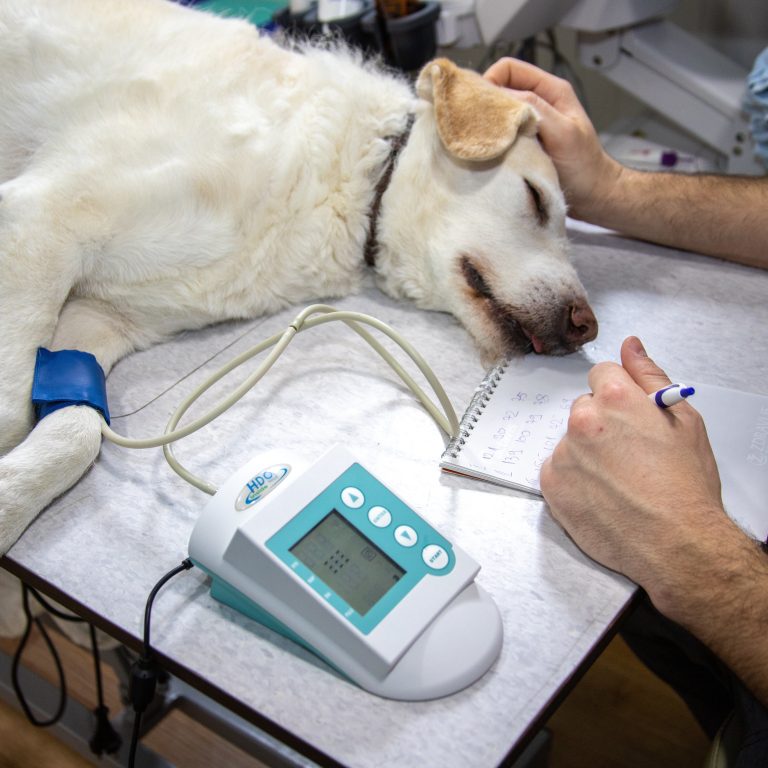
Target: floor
(618, 716)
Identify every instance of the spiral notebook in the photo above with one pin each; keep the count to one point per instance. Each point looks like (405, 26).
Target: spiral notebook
(520, 411)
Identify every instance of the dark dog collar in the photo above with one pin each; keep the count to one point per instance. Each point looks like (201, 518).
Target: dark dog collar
(371, 242)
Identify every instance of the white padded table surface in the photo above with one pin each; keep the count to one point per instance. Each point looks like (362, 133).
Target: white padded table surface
(106, 542)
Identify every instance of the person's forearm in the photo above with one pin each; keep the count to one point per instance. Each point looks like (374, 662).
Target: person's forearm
(724, 216)
(725, 602)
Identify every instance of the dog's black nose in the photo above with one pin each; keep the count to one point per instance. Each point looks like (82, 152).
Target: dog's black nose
(581, 324)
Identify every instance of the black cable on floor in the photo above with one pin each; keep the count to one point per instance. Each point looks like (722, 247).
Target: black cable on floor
(25, 591)
(105, 738)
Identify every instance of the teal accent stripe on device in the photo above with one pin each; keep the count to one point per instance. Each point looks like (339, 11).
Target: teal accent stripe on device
(225, 593)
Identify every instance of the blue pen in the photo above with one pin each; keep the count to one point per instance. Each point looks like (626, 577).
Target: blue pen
(668, 396)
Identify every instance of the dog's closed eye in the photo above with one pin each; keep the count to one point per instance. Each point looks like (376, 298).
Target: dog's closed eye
(542, 214)
(474, 279)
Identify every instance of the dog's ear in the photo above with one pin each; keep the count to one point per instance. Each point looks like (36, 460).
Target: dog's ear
(476, 120)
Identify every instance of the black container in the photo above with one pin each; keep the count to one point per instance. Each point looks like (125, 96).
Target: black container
(290, 23)
(349, 28)
(407, 42)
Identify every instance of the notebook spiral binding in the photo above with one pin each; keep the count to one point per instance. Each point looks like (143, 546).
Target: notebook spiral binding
(477, 404)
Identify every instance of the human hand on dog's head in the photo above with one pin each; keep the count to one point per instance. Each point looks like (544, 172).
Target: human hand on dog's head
(587, 173)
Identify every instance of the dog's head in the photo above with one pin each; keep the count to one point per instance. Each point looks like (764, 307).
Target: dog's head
(474, 220)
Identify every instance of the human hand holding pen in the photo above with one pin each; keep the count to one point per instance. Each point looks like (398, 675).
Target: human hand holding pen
(637, 488)
(629, 481)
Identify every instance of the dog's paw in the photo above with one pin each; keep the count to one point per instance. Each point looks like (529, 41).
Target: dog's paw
(52, 458)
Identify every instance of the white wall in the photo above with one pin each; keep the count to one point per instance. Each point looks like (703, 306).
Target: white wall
(736, 28)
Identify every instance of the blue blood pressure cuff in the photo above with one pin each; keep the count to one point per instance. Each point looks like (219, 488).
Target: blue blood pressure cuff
(68, 377)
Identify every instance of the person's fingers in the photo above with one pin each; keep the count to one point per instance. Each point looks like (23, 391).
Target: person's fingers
(640, 367)
(513, 73)
(609, 381)
(522, 76)
(545, 110)
(552, 125)
(581, 402)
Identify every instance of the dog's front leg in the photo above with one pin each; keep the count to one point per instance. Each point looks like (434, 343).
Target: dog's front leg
(63, 445)
(60, 449)
(53, 457)
(39, 263)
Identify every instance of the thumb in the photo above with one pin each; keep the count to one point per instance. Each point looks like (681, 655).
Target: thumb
(646, 374)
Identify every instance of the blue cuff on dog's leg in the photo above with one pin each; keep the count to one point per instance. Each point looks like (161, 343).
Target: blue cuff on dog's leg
(68, 377)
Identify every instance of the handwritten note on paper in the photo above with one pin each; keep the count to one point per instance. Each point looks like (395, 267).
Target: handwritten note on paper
(525, 435)
(518, 415)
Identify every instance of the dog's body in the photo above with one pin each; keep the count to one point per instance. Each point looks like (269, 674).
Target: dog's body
(163, 169)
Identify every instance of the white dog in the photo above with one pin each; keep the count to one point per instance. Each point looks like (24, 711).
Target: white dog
(163, 169)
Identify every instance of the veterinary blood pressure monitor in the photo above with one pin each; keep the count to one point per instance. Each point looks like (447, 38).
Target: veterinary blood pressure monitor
(328, 556)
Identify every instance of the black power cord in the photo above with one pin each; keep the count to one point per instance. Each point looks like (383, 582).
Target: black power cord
(145, 671)
(105, 738)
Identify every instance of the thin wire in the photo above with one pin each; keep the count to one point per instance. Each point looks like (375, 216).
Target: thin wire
(186, 376)
(215, 412)
(445, 420)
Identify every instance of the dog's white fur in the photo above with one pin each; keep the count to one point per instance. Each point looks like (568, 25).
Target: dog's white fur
(163, 169)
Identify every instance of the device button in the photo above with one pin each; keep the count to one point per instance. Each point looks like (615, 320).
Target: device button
(381, 517)
(435, 556)
(353, 497)
(405, 535)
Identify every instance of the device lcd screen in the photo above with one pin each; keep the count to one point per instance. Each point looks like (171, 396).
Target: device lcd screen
(348, 562)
